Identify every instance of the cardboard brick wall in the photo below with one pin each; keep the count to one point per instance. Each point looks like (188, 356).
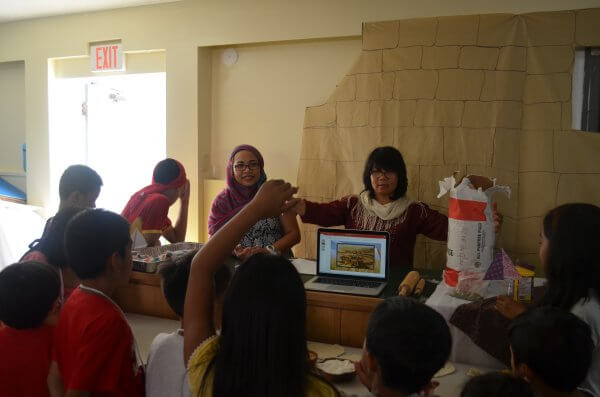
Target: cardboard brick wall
(478, 94)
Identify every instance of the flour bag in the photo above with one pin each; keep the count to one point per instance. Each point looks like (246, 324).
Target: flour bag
(471, 235)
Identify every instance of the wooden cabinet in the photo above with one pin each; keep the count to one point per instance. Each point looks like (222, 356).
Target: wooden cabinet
(331, 318)
(338, 318)
(353, 327)
(323, 324)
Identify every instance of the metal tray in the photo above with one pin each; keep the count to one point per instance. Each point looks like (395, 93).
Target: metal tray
(150, 267)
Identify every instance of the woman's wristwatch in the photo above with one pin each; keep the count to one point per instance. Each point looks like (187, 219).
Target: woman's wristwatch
(272, 250)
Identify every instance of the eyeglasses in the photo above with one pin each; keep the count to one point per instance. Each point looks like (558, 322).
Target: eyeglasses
(378, 173)
(240, 167)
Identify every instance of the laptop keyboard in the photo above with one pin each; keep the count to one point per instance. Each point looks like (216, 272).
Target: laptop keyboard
(350, 283)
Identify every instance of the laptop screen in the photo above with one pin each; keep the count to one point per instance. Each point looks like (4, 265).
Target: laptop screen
(353, 253)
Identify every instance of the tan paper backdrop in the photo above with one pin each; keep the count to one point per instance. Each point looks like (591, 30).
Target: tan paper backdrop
(478, 94)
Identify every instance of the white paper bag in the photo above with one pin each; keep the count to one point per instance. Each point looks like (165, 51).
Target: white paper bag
(471, 234)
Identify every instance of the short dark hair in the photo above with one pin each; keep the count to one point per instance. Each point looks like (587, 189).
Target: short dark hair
(555, 344)
(166, 171)
(52, 243)
(175, 277)
(496, 384)
(390, 159)
(410, 342)
(27, 292)
(78, 178)
(92, 237)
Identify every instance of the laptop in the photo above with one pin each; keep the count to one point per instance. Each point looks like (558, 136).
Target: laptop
(351, 262)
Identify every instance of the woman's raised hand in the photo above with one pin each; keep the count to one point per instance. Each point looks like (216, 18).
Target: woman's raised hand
(273, 198)
(498, 218)
(300, 207)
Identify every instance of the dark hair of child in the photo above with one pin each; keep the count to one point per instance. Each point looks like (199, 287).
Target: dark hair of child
(496, 384)
(175, 279)
(262, 348)
(410, 341)
(390, 159)
(27, 292)
(52, 243)
(573, 258)
(166, 171)
(78, 178)
(556, 345)
(92, 237)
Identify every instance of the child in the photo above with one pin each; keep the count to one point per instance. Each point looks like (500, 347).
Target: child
(496, 384)
(94, 345)
(571, 259)
(552, 349)
(407, 342)
(50, 249)
(29, 307)
(148, 209)
(79, 187)
(261, 350)
(166, 373)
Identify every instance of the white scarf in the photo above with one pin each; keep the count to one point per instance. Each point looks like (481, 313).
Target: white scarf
(386, 212)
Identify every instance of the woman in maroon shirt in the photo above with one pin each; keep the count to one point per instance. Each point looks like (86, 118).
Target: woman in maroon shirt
(382, 206)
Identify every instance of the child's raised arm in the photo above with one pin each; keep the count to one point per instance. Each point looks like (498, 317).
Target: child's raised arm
(273, 198)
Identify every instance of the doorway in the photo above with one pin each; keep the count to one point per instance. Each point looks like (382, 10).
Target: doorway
(114, 124)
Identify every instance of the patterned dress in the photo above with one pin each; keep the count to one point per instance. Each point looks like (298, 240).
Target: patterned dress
(264, 232)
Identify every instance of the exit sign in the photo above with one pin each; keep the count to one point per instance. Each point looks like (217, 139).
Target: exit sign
(107, 57)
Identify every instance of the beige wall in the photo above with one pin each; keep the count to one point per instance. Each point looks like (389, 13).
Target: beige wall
(12, 116)
(180, 28)
(261, 99)
(480, 94)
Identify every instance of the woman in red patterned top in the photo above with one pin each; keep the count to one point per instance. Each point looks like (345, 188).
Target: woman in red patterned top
(382, 206)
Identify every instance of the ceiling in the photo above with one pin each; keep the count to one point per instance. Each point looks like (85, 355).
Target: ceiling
(14, 10)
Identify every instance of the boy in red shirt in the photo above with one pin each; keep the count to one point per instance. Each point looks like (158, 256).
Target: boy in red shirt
(29, 307)
(148, 209)
(94, 346)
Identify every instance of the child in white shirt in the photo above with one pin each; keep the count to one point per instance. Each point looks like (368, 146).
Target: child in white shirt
(166, 373)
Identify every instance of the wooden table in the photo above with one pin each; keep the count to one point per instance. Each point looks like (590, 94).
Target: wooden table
(331, 318)
(143, 295)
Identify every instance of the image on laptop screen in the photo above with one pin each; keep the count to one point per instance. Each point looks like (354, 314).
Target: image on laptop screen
(352, 254)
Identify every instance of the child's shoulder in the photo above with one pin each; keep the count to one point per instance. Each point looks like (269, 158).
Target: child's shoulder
(156, 199)
(165, 345)
(318, 387)
(93, 310)
(589, 311)
(167, 340)
(39, 336)
(35, 256)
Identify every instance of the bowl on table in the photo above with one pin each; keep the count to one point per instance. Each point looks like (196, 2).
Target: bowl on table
(337, 370)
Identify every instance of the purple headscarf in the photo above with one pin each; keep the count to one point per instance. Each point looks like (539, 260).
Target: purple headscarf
(235, 196)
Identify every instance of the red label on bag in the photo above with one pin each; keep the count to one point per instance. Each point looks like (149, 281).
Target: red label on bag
(466, 210)
(450, 277)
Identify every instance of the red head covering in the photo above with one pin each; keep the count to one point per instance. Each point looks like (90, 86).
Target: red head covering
(235, 196)
(138, 197)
